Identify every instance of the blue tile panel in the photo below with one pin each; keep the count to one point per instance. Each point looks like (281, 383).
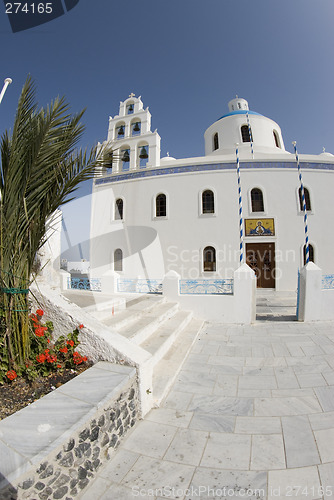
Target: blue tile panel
(206, 287)
(139, 286)
(93, 284)
(328, 282)
(209, 167)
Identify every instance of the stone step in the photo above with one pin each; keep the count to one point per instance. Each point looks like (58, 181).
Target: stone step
(148, 322)
(134, 310)
(166, 371)
(96, 303)
(162, 339)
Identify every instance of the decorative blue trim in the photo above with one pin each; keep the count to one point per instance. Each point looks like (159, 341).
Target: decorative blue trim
(139, 286)
(328, 282)
(206, 287)
(208, 167)
(240, 112)
(92, 284)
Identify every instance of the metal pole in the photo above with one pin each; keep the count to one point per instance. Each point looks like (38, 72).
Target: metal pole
(307, 249)
(240, 207)
(8, 81)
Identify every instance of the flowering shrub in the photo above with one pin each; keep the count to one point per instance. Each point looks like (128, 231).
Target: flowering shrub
(46, 355)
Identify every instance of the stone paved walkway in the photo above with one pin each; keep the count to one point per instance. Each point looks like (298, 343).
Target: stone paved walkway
(251, 415)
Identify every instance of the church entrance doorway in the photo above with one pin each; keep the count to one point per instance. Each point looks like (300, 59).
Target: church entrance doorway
(261, 258)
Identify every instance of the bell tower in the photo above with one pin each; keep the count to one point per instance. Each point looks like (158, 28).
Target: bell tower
(130, 137)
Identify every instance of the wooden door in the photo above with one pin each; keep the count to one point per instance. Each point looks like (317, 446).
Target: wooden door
(261, 258)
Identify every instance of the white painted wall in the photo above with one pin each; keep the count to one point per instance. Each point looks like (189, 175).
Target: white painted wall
(177, 241)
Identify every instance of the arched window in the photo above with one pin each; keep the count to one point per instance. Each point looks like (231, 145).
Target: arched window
(143, 154)
(118, 260)
(120, 131)
(161, 205)
(307, 199)
(208, 202)
(119, 209)
(129, 108)
(276, 138)
(125, 155)
(311, 253)
(257, 200)
(136, 128)
(245, 133)
(209, 259)
(215, 141)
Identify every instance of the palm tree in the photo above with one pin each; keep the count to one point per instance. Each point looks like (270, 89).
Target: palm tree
(40, 169)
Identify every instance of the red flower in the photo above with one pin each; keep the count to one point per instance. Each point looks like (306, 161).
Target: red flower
(11, 374)
(39, 331)
(63, 349)
(51, 359)
(81, 326)
(41, 358)
(58, 366)
(39, 312)
(33, 318)
(70, 342)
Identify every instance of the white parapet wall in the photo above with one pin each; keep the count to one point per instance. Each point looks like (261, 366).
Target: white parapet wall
(97, 341)
(233, 301)
(327, 297)
(315, 299)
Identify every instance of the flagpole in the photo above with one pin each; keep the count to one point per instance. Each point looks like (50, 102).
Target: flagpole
(250, 134)
(240, 206)
(7, 82)
(307, 248)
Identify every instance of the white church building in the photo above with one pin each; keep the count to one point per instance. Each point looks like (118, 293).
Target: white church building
(152, 216)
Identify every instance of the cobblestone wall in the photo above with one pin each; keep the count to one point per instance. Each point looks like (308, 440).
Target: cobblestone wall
(69, 470)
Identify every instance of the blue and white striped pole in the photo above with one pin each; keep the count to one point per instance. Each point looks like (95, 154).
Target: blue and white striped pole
(307, 249)
(250, 134)
(240, 207)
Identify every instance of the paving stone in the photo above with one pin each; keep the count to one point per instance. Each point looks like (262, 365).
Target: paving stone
(299, 484)
(227, 451)
(211, 483)
(187, 447)
(258, 425)
(300, 446)
(149, 473)
(150, 438)
(267, 452)
(321, 420)
(212, 422)
(325, 442)
(170, 416)
(326, 397)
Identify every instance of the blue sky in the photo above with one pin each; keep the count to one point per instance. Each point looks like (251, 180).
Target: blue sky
(187, 59)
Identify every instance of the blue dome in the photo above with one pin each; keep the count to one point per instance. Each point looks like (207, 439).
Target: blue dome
(239, 112)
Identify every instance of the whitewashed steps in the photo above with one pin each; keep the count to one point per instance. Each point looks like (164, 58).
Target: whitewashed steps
(166, 371)
(162, 339)
(160, 328)
(146, 325)
(134, 311)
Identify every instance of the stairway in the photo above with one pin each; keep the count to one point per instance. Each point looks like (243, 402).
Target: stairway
(160, 328)
(272, 305)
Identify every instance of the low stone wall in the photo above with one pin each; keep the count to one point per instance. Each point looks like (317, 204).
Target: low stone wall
(66, 470)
